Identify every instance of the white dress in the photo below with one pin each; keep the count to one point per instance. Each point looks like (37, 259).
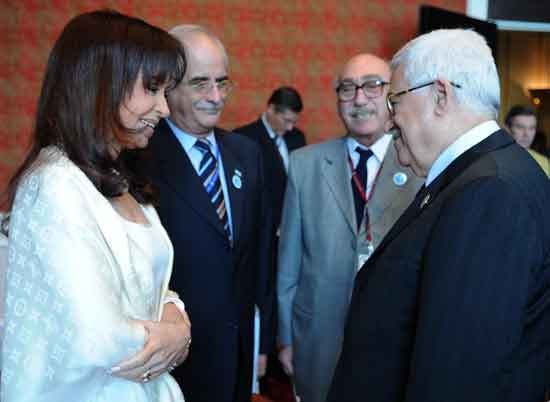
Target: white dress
(74, 284)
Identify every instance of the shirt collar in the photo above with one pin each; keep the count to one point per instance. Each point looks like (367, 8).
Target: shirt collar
(188, 140)
(379, 148)
(272, 134)
(463, 143)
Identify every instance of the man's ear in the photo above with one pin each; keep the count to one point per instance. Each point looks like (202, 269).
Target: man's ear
(443, 96)
(388, 125)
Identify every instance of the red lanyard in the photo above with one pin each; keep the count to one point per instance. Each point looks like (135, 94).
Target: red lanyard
(363, 194)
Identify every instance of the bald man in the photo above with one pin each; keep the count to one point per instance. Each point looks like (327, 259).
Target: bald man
(342, 197)
(214, 207)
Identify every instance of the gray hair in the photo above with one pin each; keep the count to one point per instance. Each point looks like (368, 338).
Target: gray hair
(184, 31)
(459, 55)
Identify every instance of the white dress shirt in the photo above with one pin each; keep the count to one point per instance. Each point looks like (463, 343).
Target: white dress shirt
(463, 143)
(374, 163)
(279, 142)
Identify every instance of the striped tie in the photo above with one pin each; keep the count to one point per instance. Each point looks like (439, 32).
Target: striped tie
(209, 175)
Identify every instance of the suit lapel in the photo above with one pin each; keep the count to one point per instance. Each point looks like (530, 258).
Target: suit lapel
(336, 172)
(235, 174)
(428, 194)
(177, 171)
(384, 192)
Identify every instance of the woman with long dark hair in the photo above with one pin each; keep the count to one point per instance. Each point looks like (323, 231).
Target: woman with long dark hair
(88, 313)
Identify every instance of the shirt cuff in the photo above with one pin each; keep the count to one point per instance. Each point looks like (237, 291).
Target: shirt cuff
(177, 302)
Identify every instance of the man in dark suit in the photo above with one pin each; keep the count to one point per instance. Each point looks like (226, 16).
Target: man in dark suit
(454, 304)
(277, 136)
(215, 209)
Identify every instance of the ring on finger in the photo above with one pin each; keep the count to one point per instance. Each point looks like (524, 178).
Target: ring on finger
(146, 376)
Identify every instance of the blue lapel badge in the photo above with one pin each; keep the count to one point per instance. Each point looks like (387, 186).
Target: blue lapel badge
(236, 180)
(400, 178)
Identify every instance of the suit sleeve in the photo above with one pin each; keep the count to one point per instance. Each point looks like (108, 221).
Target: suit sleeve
(473, 291)
(265, 290)
(290, 255)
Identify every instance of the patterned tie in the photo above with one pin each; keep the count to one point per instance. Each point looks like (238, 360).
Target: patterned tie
(360, 173)
(210, 177)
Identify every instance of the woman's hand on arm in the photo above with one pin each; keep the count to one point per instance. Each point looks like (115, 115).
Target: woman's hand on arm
(167, 346)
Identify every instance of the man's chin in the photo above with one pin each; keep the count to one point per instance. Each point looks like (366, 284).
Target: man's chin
(210, 120)
(366, 137)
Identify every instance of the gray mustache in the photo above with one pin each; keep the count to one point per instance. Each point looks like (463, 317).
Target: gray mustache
(362, 112)
(210, 109)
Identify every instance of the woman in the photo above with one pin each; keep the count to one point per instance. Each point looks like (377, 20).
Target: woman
(88, 313)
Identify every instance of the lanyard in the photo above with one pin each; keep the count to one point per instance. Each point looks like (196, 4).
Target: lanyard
(362, 193)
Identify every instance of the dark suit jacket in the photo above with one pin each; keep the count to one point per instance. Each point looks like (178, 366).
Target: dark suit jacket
(454, 305)
(218, 283)
(273, 164)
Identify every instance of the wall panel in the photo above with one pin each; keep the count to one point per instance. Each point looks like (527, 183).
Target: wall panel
(296, 42)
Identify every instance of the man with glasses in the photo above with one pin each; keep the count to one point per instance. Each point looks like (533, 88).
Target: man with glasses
(454, 303)
(342, 197)
(214, 206)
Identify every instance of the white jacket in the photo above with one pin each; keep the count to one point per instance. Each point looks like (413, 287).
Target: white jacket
(72, 293)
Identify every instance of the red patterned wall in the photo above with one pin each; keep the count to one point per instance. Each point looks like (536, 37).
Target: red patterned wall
(301, 43)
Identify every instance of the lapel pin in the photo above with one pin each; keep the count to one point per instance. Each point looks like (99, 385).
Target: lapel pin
(400, 178)
(236, 180)
(425, 201)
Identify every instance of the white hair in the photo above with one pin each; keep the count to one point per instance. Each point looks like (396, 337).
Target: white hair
(459, 55)
(184, 31)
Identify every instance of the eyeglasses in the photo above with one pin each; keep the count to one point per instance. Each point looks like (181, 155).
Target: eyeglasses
(391, 98)
(347, 90)
(203, 86)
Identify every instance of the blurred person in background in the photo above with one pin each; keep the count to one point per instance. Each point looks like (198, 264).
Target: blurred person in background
(521, 123)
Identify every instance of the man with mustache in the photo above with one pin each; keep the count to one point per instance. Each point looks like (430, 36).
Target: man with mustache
(342, 197)
(214, 206)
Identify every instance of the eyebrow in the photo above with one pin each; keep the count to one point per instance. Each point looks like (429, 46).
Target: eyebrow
(204, 78)
(363, 78)
(372, 77)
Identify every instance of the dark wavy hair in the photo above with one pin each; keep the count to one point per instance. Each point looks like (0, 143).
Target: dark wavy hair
(285, 98)
(518, 110)
(91, 69)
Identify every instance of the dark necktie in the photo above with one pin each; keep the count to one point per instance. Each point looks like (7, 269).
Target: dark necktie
(359, 184)
(279, 143)
(210, 177)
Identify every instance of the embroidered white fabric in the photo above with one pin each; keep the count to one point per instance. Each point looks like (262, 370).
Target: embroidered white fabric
(72, 294)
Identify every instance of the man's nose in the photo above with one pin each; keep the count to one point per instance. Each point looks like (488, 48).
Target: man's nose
(360, 97)
(215, 94)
